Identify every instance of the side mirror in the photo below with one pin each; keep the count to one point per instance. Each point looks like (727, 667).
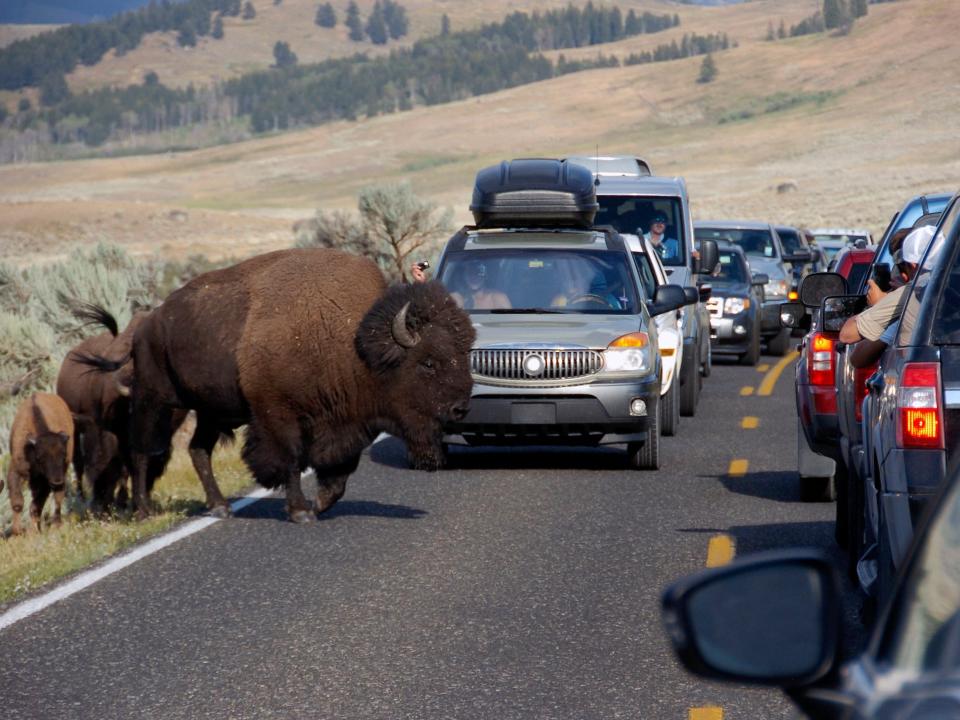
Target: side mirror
(760, 279)
(692, 295)
(800, 257)
(709, 257)
(792, 314)
(667, 298)
(816, 286)
(770, 619)
(705, 291)
(835, 311)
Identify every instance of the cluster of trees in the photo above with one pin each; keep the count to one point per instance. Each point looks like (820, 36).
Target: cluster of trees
(833, 15)
(434, 70)
(30, 61)
(689, 46)
(387, 21)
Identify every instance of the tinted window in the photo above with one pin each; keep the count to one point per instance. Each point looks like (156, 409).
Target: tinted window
(946, 322)
(790, 240)
(554, 280)
(647, 278)
(732, 268)
(758, 243)
(858, 272)
(635, 215)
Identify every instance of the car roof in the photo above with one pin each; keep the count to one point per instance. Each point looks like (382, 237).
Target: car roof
(840, 231)
(613, 165)
(791, 228)
(599, 238)
(732, 224)
(641, 185)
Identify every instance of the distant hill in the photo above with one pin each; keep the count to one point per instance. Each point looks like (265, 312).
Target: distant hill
(63, 11)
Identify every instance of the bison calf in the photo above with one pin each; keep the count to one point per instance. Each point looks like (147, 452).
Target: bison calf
(41, 446)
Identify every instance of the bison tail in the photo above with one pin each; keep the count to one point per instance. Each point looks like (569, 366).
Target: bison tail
(94, 315)
(98, 363)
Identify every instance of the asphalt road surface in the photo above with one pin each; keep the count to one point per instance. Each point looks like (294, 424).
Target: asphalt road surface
(519, 584)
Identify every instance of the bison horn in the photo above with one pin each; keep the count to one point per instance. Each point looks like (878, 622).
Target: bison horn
(401, 333)
(123, 390)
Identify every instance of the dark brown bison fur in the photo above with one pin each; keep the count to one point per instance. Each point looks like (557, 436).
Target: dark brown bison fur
(300, 346)
(41, 444)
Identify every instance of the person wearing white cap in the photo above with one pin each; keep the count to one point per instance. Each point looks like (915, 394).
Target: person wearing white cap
(872, 322)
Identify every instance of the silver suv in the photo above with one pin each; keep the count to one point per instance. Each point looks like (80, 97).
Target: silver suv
(567, 351)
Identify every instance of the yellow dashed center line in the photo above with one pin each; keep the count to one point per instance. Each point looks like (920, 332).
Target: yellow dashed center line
(770, 379)
(763, 367)
(720, 551)
(738, 467)
(744, 391)
(750, 422)
(705, 713)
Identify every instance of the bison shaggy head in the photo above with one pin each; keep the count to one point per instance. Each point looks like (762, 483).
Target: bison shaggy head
(417, 341)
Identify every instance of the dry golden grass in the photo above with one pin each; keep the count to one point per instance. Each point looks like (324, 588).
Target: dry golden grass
(867, 124)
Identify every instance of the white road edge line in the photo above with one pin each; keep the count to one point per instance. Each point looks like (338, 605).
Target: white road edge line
(86, 579)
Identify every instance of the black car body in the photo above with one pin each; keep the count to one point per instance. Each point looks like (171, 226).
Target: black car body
(735, 306)
(795, 245)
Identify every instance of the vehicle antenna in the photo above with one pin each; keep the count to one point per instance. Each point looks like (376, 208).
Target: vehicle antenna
(596, 158)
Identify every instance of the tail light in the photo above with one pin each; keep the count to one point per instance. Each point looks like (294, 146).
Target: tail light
(820, 365)
(919, 415)
(860, 377)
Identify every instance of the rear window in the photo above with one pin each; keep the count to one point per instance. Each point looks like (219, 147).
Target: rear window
(636, 215)
(758, 243)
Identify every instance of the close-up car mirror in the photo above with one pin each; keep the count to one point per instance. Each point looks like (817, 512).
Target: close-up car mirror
(792, 314)
(835, 311)
(760, 279)
(667, 298)
(771, 619)
(709, 257)
(692, 295)
(816, 286)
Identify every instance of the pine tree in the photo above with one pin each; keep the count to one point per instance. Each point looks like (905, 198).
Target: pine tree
(708, 69)
(782, 30)
(858, 8)
(395, 17)
(834, 13)
(217, 32)
(326, 16)
(377, 26)
(187, 37)
(54, 89)
(354, 23)
(283, 56)
(771, 36)
(249, 13)
(445, 25)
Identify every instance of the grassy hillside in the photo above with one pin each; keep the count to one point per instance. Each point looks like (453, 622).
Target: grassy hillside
(858, 123)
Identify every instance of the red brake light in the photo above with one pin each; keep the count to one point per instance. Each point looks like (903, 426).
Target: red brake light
(919, 417)
(820, 364)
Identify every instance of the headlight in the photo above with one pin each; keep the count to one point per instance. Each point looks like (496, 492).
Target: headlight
(735, 305)
(628, 354)
(777, 288)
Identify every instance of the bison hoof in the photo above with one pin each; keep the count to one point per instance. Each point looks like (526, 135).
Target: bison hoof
(221, 512)
(302, 517)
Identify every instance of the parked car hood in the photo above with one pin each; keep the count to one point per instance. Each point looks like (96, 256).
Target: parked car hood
(771, 267)
(592, 331)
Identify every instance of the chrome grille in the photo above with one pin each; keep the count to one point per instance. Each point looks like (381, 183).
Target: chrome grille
(715, 306)
(508, 364)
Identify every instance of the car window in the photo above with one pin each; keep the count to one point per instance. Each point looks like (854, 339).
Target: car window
(790, 239)
(541, 279)
(647, 278)
(635, 215)
(756, 243)
(924, 632)
(732, 269)
(857, 272)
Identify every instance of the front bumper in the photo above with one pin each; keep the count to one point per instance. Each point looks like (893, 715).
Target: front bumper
(592, 414)
(731, 333)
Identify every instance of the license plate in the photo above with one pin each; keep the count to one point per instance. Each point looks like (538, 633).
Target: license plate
(533, 413)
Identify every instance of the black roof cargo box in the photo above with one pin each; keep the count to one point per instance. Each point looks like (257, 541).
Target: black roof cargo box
(534, 193)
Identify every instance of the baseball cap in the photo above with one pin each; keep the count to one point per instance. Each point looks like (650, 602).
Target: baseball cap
(659, 217)
(915, 244)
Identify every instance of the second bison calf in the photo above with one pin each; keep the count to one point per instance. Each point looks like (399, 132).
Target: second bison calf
(41, 446)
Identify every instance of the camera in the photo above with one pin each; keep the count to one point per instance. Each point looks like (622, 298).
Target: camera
(423, 264)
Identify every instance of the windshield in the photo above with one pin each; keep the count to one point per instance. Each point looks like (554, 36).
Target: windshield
(756, 243)
(658, 218)
(732, 269)
(541, 280)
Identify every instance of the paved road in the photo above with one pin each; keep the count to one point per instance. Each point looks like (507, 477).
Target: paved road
(517, 585)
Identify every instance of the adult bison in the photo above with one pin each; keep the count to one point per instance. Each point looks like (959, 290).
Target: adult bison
(311, 351)
(100, 408)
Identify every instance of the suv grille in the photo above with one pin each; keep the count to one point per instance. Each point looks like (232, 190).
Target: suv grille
(523, 364)
(715, 306)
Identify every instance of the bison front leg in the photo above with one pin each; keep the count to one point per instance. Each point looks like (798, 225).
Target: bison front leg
(332, 482)
(40, 494)
(274, 464)
(15, 488)
(201, 448)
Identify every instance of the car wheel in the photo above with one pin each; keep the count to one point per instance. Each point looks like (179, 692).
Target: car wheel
(670, 411)
(752, 356)
(646, 455)
(689, 384)
(817, 489)
(780, 344)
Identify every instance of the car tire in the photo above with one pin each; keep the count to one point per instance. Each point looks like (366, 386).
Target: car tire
(780, 343)
(646, 455)
(708, 363)
(670, 411)
(752, 356)
(689, 384)
(817, 489)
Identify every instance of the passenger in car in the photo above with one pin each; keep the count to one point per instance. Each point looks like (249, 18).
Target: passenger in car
(473, 293)
(667, 247)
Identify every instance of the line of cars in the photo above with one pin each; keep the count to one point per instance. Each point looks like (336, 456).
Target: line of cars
(587, 334)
